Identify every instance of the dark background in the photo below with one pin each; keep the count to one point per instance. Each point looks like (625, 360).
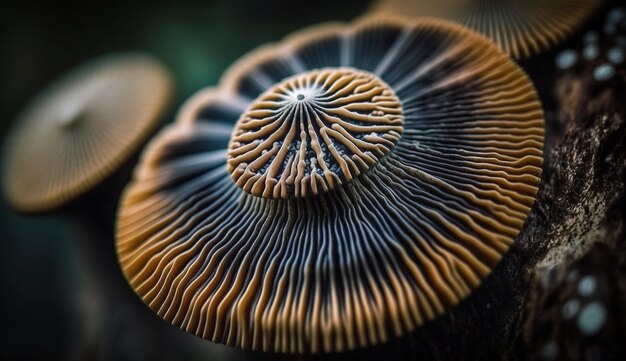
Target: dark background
(54, 305)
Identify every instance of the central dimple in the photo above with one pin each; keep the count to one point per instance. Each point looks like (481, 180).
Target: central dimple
(282, 148)
(69, 115)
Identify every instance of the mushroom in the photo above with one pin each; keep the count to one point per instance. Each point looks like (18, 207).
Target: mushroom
(310, 121)
(81, 128)
(522, 28)
(375, 175)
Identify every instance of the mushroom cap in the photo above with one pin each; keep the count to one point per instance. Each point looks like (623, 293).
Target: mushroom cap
(372, 258)
(81, 128)
(312, 132)
(522, 28)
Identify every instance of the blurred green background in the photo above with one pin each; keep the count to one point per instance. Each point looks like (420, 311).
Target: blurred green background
(50, 309)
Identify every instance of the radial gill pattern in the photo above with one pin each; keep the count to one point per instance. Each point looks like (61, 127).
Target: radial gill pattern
(312, 132)
(81, 128)
(372, 258)
(520, 27)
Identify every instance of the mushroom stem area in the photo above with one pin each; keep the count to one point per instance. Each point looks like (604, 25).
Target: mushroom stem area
(313, 132)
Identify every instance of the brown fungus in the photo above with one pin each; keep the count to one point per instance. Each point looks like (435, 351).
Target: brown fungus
(294, 140)
(425, 220)
(81, 128)
(521, 28)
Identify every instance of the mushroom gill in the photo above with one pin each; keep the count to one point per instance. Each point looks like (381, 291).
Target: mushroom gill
(312, 132)
(81, 128)
(522, 28)
(448, 182)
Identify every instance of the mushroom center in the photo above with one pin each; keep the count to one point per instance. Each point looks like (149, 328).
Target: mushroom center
(70, 114)
(314, 131)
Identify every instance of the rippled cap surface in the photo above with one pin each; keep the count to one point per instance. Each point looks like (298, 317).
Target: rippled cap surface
(419, 227)
(522, 28)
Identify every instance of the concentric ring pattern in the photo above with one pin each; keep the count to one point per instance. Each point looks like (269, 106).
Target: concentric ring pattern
(371, 259)
(312, 132)
(521, 28)
(81, 128)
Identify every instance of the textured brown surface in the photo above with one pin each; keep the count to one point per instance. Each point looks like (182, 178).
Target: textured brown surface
(314, 132)
(374, 258)
(81, 128)
(520, 27)
(581, 202)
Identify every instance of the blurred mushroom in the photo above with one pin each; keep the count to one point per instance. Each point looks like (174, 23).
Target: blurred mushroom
(80, 129)
(395, 161)
(521, 28)
(67, 152)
